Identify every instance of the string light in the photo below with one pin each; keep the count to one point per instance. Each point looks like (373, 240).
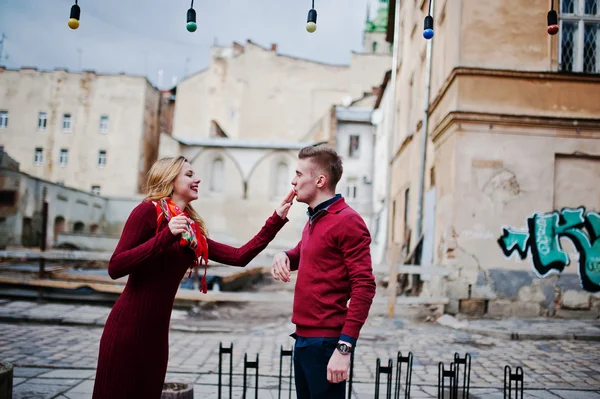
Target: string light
(552, 21)
(311, 23)
(428, 29)
(191, 19)
(75, 14)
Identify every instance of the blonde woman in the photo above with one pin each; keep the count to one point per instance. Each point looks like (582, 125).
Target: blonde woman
(161, 240)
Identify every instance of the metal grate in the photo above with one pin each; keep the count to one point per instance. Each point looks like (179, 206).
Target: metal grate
(591, 48)
(591, 7)
(568, 46)
(568, 6)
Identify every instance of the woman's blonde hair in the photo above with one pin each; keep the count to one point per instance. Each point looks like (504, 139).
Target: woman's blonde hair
(160, 183)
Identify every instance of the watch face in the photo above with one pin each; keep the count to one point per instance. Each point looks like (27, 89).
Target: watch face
(343, 348)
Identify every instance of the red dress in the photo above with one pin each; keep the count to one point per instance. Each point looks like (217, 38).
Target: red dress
(134, 349)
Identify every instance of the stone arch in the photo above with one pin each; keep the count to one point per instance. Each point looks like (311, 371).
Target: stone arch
(59, 226)
(203, 162)
(94, 228)
(219, 151)
(273, 159)
(216, 174)
(78, 227)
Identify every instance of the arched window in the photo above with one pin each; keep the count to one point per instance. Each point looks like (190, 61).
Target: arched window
(59, 225)
(282, 179)
(374, 45)
(217, 175)
(78, 227)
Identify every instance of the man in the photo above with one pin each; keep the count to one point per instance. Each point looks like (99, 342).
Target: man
(334, 265)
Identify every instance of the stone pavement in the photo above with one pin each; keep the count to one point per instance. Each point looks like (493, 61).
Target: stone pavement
(55, 360)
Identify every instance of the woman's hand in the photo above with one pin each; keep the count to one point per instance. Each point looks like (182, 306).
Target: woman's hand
(286, 204)
(178, 224)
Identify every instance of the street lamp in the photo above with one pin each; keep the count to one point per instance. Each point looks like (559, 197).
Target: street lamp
(428, 29)
(552, 21)
(75, 14)
(191, 19)
(311, 23)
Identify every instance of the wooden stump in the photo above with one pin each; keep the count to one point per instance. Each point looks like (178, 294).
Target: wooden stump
(177, 390)
(6, 380)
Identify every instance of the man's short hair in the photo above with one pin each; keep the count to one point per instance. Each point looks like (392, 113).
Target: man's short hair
(327, 160)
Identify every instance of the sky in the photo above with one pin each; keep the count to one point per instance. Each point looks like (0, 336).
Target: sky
(142, 37)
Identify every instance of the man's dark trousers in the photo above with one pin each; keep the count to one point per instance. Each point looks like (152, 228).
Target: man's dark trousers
(310, 367)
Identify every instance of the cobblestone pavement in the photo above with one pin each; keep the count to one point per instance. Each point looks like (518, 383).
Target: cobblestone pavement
(58, 361)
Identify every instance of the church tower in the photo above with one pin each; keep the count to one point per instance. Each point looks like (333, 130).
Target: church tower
(375, 31)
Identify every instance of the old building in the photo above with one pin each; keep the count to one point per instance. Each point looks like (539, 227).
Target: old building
(495, 133)
(253, 93)
(71, 128)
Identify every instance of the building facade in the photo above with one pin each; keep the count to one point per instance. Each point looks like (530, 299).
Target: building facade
(508, 121)
(96, 133)
(254, 93)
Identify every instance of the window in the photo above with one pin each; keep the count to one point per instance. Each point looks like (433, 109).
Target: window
(3, 119)
(63, 158)
(67, 123)
(96, 190)
(217, 175)
(579, 36)
(101, 159)
(104, 124)
(282, 179)
(374, 47)
(38, 156)
(353, 151)
(42, 120)
(351, 188)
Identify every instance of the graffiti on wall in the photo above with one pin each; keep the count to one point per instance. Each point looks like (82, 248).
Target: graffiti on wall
(542, 238)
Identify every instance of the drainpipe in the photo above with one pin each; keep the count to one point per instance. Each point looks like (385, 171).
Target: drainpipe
(428, 62)
(393, 80)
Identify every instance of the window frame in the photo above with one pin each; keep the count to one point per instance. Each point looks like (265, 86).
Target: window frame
(581, 19)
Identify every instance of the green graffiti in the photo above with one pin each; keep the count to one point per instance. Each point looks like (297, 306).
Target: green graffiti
(542, 239)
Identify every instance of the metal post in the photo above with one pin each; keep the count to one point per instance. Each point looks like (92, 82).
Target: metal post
(43, 241)
(44, 235)
(250, 365)
(442, 374)
(351, 376)
(466, 361)
(384, 370)
(408, 382)
(509, 377)
(223, 351)
(428, 63)
(282, 354)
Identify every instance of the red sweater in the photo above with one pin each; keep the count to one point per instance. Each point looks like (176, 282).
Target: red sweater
(334, 264)
(134, 348)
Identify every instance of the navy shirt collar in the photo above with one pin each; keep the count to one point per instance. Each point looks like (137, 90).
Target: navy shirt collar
(323, 205)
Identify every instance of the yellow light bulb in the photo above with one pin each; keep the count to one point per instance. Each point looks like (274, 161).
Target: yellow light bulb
(311, 27)
(73, 23)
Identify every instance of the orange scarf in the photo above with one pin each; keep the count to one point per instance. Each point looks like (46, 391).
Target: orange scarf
(192, 237)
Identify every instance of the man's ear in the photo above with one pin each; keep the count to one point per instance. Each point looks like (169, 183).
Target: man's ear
(321, 181)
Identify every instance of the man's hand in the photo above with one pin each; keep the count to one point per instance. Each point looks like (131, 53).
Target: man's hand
(338, 366)
(281, 267)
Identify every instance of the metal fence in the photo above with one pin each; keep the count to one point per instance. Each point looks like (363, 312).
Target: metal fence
(453, 381)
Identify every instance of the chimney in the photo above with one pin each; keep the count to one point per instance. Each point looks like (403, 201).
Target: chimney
(274, 47)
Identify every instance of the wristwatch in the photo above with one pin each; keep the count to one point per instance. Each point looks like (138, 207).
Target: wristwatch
(344, 348)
